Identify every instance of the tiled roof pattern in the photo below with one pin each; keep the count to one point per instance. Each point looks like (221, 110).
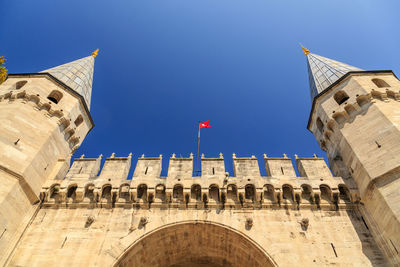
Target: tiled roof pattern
(322, 72)
(78, 75)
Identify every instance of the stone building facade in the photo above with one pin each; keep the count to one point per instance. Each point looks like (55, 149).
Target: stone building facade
(54, 214)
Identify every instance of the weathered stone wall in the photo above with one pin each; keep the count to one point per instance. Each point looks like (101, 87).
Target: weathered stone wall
(37, 137)
(90, 220)
(362, 139)
(61, 237)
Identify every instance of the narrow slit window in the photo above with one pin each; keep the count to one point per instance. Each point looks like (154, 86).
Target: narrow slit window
(282, 170)
(213, 171)
(366, 226)
(394, 246)
(145, 172)
(320, 125)
(334, 250)
(3, 233)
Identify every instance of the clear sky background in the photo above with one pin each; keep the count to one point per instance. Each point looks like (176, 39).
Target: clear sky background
(166, 64)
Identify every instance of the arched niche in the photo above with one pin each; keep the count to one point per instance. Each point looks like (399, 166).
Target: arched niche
(250, 192)
(195, 192)
(269, 193)
(196, 244)
(177, 193)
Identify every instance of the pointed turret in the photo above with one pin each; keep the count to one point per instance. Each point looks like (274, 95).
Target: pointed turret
(322, 72)
(38, 139)
(78, 75)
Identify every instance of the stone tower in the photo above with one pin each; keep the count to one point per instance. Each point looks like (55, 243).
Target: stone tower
(355, 118)
(44, 117)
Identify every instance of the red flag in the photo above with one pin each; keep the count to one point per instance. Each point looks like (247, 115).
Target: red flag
(204, 124)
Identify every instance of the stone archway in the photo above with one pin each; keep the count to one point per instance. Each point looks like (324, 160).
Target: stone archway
(195, 244)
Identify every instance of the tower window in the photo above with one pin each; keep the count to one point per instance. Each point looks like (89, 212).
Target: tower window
(380, 83)
(55, 96)
(72, 191)
(78, 120)
(320, 125)
(20, 84)
(341, 97)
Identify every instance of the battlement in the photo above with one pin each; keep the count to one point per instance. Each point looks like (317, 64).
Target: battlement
(315, 188)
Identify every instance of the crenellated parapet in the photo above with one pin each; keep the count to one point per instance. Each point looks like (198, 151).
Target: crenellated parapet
(278, 167)
(148, 167)
(214, 188)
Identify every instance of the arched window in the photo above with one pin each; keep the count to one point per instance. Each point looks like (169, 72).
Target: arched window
(287, 192)
(71, 193)
(55, 96)
(20, 84)
(89, 191)
(306, 195)
(177, 192)
(78, 120)
(214, 192)
(160, 192)
(325, 193)
(341, 97)
(106, 193)
(380, 83)
(320, 125)
(249, 192)
(142, 192)
(269, 193)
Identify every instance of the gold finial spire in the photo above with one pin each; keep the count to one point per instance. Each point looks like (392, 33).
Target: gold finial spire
(95, 52)
(305, 50)
(3, 70)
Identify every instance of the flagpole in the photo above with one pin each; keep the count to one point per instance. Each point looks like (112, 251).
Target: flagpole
(198, 150)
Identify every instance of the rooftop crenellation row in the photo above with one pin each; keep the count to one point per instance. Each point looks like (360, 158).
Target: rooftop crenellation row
(214, 187)
(117, 168)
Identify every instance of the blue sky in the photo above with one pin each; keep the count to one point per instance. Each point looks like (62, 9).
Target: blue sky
(166, 64)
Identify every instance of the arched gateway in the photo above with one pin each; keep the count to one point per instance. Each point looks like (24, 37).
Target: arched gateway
(194, 244)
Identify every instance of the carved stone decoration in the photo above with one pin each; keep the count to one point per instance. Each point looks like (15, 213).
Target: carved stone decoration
(304, 224)
(249, 223)
(143, 221)
(89, 221)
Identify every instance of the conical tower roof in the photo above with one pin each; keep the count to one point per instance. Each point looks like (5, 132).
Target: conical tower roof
(322, 72)
(78, 75)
